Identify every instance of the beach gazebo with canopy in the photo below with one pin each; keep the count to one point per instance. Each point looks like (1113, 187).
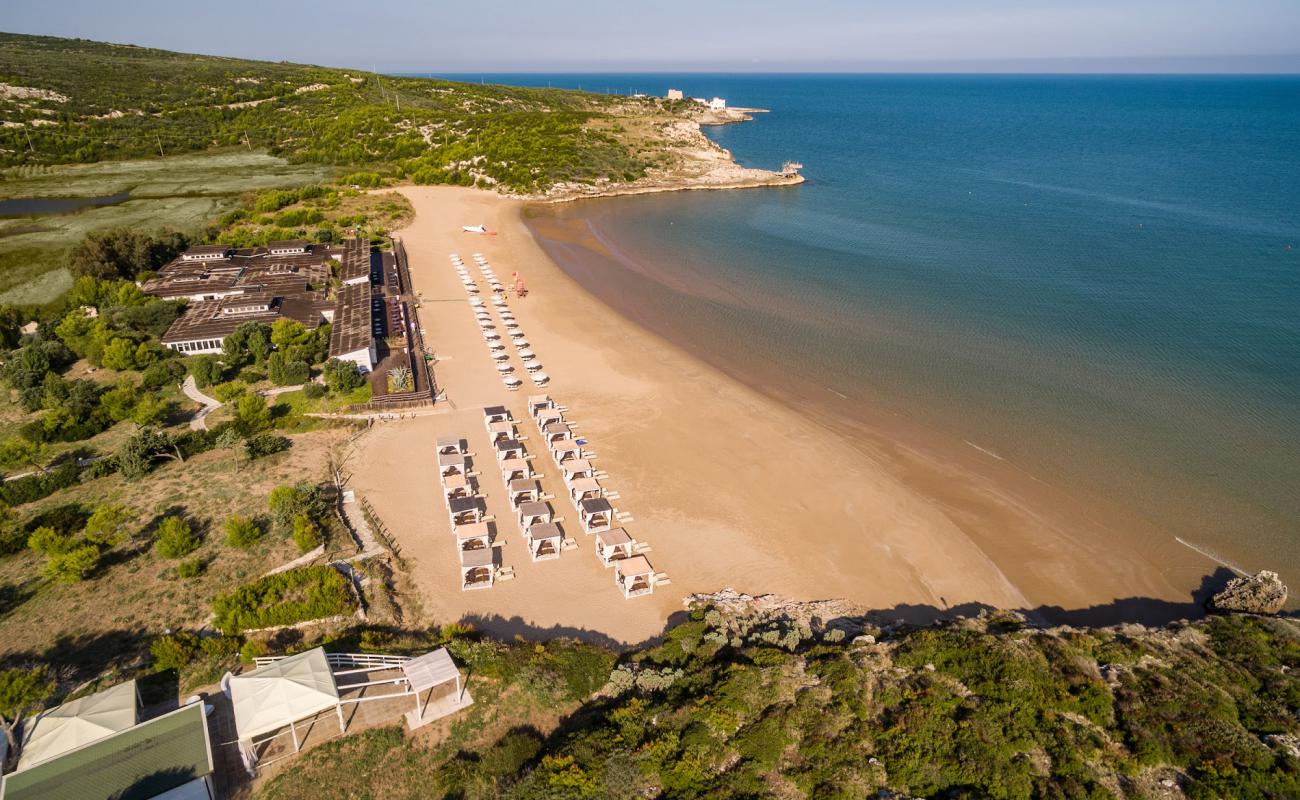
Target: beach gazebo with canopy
(493, 414)
(451, 464)
(547, 416)
(477, 569)
(509, 448)
(576, 469)
(450, 445)
(512, 469)
(456, 486)
(523, 490)
(585, 489)
(280, 695)
(539, 402)
(533, 513)
(465, 510)
(539, 378)
(614, 545)
(543, 540)
(554, 432)
(565, 449)
(596, 515)
(505, 429)
(634, 576)
(475, 536)
(79, 722)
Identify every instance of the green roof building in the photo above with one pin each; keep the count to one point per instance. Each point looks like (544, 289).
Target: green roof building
(167, 757)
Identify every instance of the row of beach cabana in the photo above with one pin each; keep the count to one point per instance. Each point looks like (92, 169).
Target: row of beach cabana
(537, 522)
(615, 547)
(470, 527)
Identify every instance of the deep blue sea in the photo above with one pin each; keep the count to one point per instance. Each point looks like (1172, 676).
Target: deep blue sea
(1095, 279)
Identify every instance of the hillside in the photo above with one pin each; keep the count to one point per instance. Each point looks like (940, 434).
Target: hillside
(772, 704)
(68, 101)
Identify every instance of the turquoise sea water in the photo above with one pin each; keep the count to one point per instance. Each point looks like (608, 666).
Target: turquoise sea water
(1097, 279)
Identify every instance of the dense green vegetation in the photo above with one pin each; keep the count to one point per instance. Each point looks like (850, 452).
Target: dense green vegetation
(727, 708)
(96, 101)
(284, 598)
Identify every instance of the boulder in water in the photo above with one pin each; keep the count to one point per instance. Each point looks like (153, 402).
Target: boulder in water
(1263, 593)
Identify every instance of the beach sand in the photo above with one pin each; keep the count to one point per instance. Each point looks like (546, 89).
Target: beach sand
(729, 487)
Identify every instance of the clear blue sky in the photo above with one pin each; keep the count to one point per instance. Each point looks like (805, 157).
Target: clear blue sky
(687, 35)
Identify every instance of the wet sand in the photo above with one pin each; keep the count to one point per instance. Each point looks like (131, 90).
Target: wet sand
(729, 486)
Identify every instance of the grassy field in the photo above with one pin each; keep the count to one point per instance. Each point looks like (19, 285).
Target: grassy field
(181, 192)
(137, 593)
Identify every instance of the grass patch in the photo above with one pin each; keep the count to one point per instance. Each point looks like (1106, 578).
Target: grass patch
(286, 598)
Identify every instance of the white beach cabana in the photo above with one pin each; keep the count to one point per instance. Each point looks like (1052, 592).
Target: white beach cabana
(477, 569)
(547, 416)
(585, 489)
(595, 515)
(493, 414)
(79, 722)
(451, 464)
(538, 403)
(507, 449)
(454, 486)
(534, 513)
(504, 429)
(523, 490)
(566, 450)
(554, 432)
(575, 469)
(448, 445)
(614, 545)
(544, 541)
(464, 510)
(513, 469)
(281, 694)
(475, 536)
(634, 576)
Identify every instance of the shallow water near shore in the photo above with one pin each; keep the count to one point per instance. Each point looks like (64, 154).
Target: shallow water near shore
(1086, 285)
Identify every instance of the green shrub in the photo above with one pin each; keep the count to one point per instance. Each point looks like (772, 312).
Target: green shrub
(314, 391)
(306, 534)
(73, 565)
(190, 568)
(230, 390)
(285, 598)
(242, 532)
(174, 651)
(264, 444)
(176, 538)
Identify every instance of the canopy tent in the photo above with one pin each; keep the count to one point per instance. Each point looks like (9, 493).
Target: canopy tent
(283, 692)
(79, 722)
(432, 669)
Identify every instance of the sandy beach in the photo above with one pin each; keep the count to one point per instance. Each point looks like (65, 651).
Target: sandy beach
(730, 488)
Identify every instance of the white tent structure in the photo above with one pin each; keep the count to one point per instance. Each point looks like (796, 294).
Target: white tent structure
(281, 693)
(425, 673)
(79, 722)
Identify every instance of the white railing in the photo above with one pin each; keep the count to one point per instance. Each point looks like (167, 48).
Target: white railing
(348, 660)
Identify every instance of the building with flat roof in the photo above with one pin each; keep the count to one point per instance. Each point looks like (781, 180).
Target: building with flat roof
(674, 94)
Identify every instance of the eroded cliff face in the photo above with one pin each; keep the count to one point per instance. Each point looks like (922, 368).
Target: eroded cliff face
(1262, 593)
